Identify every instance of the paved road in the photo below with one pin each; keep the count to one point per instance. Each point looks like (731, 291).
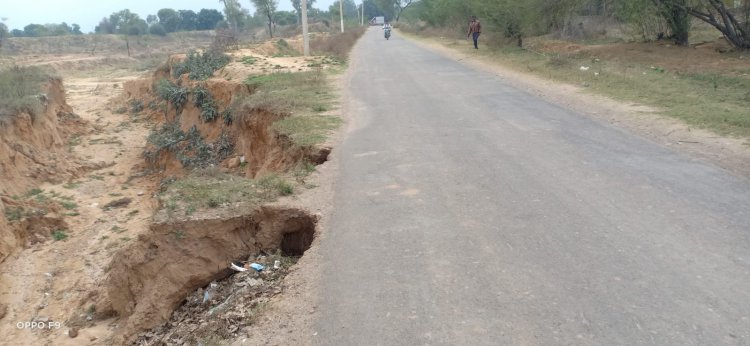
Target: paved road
(472, 213)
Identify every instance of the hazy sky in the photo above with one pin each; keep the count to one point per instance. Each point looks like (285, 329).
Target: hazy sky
(88, 13)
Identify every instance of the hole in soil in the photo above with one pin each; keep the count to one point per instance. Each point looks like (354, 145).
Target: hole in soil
(320, 156)
(152, 277)
(296, 243)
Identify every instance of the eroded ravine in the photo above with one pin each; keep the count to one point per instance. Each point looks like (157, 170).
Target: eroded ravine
(89, 295)
(62, 274)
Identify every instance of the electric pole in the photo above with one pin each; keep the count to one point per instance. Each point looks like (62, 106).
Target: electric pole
(341, 14)
(305, 36)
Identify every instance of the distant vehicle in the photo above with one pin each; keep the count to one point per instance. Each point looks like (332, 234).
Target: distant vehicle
(377, 21)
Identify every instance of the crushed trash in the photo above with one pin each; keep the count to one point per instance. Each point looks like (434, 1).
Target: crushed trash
(224, 308)
(584, 68)
(237, 267)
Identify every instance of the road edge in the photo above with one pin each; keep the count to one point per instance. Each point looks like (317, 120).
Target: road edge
(728, 153)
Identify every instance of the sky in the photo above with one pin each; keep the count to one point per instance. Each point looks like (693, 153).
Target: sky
(88, 13)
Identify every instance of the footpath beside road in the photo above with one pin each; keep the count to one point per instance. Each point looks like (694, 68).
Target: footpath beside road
(470, 212)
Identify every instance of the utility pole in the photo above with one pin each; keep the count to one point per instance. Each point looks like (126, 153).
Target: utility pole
(362, 14)
(305, 35)
(341, 14)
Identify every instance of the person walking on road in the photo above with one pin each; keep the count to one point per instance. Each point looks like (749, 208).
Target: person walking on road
(475, 28)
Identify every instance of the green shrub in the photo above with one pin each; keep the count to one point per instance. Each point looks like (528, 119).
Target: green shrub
(168, 137)
(69, 205)
(136, 106)
(200, 95)
(203, 100)
(14, 214)
(249, 60)
(190, 148)
(285, 49)
(59, 235)
(273, 184)
(201, 66)
(285, 188)
(226, 115)
(172, 93)
(209, 112)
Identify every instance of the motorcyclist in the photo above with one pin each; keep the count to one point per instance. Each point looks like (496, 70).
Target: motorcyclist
(387, 30)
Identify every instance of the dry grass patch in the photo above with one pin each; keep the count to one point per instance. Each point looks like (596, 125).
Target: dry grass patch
(304, 96)
(711, 100)
(337, 45)
(208, 189)
(20, 91)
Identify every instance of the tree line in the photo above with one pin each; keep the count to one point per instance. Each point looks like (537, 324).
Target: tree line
(166, 20)
(670, 19)
(37, 30)
(233, 16)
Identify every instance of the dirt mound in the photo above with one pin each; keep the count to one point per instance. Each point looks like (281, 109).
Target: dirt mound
(150, 278)
(288, 46)
(249, 130)
(38, 223)
(33, 150)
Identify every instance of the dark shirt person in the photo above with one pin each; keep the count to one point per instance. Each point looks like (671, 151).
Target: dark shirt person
(475, 28)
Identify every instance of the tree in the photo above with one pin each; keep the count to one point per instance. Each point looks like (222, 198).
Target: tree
(3, 33)
(126, 23)
(733, 21)
(268, 9)
(297, 4)
(234, 14)
(372, 10)
(17, 33)
(157, 29)
(207, 19)
(104, 27)
(188, 20)
(76, 29)
(169, 19)
(513, 18)
(641, 16)
(58, 29)
(35, 30)
(350, 9)
(394, 7)
(716, 13)
(675, 13)
(285, 18)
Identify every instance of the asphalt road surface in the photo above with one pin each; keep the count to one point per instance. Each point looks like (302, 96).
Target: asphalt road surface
(469, 212)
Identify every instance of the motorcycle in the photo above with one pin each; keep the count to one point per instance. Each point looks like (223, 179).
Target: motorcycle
(387, 33)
